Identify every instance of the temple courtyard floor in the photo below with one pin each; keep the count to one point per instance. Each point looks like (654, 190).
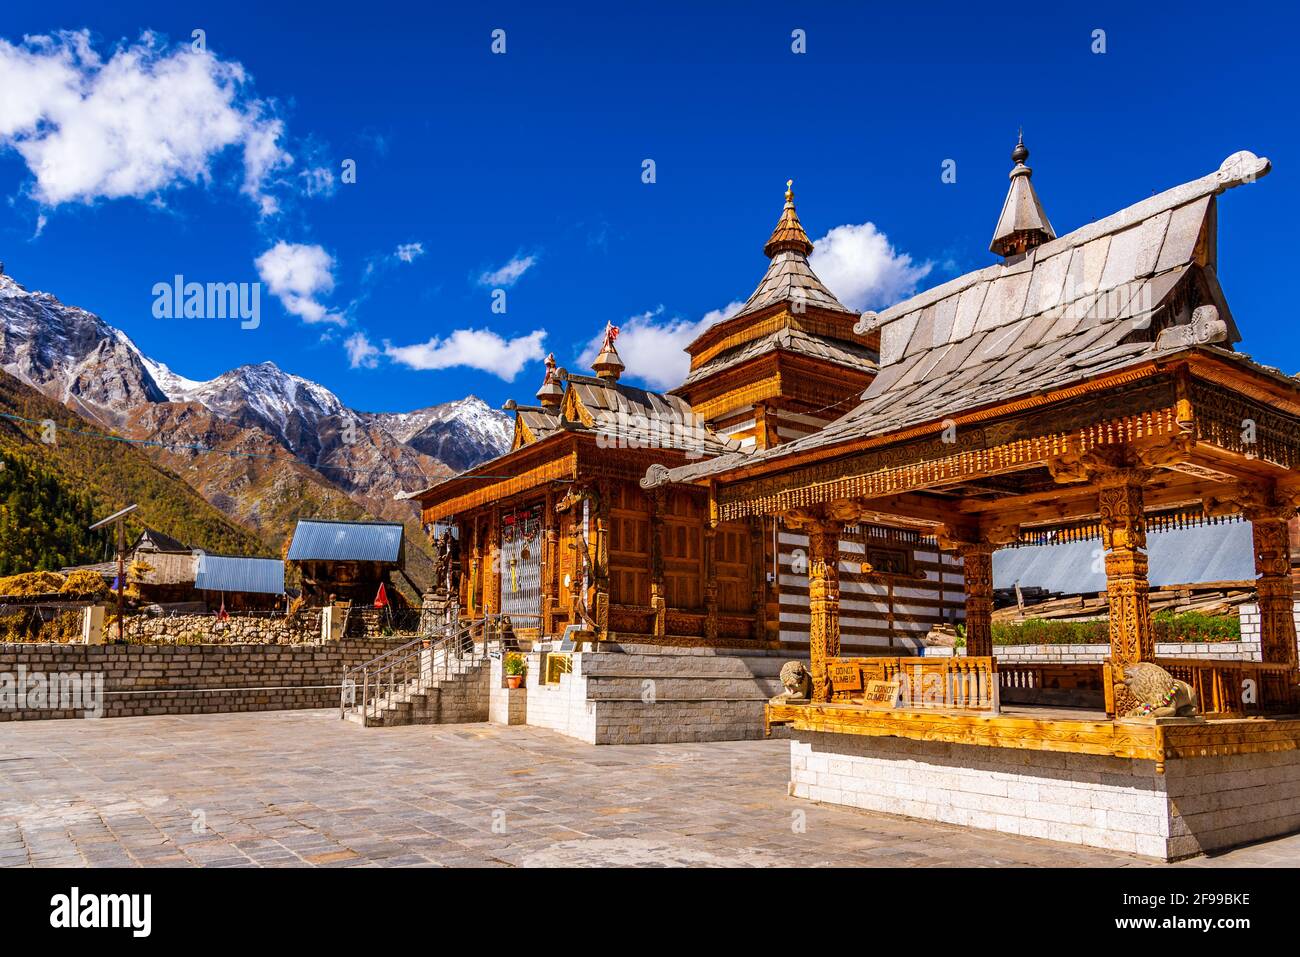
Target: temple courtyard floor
(302, 788)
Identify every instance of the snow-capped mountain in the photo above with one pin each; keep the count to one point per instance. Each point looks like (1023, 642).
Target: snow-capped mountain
(74, 357)
(454, 432)
(71, 355)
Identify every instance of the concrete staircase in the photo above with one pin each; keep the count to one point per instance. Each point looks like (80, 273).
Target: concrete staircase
(459, 695)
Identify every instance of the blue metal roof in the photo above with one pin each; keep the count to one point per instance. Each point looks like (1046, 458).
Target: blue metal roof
(220, 573)
(316, 540)
(1184, 556)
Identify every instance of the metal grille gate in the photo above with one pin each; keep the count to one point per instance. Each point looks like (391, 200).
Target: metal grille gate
(521, 562)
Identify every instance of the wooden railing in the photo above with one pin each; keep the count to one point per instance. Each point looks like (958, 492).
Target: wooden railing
(1051, 683)
(966, 684)
(1228, 689)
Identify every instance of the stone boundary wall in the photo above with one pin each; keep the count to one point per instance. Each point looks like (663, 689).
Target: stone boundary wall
(209, 630)
(188, 679)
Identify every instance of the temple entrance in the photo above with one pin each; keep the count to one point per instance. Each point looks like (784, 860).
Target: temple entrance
(521, 564)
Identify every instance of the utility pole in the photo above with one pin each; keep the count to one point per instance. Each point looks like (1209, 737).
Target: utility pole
(118, 519)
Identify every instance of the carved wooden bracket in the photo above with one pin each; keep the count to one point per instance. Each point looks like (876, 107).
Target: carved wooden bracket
(1093, 465)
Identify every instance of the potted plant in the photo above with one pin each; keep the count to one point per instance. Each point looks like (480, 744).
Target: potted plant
(515, 668)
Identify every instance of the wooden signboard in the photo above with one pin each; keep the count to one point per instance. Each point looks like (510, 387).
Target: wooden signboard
(882, 694)
(844, 675)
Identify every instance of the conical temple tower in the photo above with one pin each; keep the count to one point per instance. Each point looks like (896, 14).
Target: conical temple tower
(788, 361)
(1023, 224)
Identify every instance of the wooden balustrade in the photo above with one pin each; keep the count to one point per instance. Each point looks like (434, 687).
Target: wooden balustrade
(965, 684)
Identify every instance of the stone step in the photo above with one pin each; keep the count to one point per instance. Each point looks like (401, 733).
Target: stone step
(672, 666)
(693, 687)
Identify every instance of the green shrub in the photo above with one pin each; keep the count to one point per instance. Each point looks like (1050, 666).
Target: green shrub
(1197, 626)
(1190, 626)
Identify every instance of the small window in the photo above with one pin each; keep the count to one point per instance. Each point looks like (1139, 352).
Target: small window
(889, 561)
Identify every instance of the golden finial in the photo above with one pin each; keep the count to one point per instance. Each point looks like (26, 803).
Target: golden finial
(789, 191)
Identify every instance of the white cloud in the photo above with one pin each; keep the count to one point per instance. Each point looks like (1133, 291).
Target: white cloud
(409, 252)
(509, 274)
(362, 353)
(145, 120)
(653, 348)
(299, 275)
(476, 348)
(863, 269)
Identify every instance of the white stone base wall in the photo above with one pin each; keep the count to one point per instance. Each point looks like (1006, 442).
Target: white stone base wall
(563, 706)
(1197, 805)
(506, 705)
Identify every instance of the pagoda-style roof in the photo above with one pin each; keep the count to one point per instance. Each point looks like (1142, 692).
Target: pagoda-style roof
(789, 280)
(618, 417)
(790, 340)
(638, 417)
(1136, 286)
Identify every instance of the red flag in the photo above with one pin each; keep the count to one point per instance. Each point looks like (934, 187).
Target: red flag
(381, 599)
(222, 615)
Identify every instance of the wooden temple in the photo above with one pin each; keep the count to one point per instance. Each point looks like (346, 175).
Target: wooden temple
(560, 531)
(1084, 387)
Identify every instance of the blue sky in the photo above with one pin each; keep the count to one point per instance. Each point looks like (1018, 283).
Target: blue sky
(468, 162)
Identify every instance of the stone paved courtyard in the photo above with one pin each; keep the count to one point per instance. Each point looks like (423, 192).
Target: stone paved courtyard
(301, 788)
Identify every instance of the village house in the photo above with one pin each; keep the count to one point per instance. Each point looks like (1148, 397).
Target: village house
(346, 561)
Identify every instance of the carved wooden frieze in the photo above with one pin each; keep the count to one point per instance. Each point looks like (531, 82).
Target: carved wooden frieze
(1144, 409)
(1238, 423)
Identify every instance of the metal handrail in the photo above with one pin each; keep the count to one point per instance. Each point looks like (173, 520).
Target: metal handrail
(416, 665)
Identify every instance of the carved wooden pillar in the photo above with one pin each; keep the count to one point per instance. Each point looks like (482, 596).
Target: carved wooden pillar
(1124, 536)
(758, 579)
(492, 571)
(600, 576)
(550, 565)
(475, 601)
(710, 558)
(977, 569)
(658, 594)
(1273, 582)
(823, 601)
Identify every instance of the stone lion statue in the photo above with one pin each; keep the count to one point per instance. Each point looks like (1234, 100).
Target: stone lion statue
(797, 681)
(1158, 693)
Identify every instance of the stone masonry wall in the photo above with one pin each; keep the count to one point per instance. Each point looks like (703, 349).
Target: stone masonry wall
(189, 679)
(209, 630)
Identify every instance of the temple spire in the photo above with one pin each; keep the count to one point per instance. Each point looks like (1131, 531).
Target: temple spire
(1023, 224)
(551, 394)
(789, 232)
(608, 365)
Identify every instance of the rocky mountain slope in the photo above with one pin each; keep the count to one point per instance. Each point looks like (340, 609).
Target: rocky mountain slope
(107, 473)
(262, 445)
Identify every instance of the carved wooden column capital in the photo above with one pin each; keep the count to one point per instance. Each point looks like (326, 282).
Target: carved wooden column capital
(1270, 516)
(1123, 531)
(823, 600)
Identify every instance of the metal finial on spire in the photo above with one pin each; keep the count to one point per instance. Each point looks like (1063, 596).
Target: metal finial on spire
(789, 233)
(551, 393)
(1023, 224)
(608, 365)
(1021, 152)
